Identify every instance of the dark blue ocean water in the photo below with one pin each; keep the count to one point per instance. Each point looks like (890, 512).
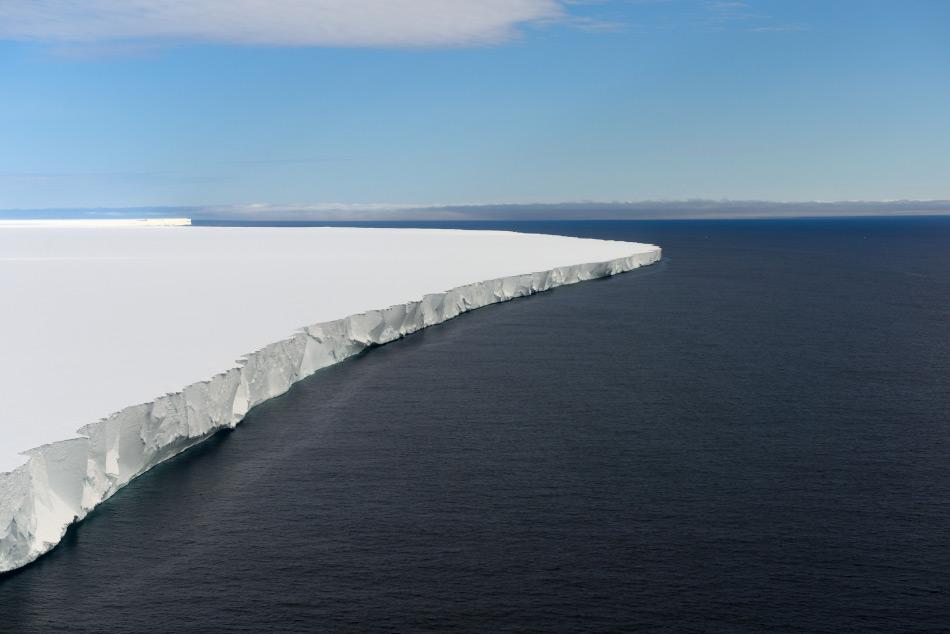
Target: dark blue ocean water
(752, 436)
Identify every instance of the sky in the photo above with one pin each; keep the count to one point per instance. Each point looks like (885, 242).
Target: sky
(297, 103)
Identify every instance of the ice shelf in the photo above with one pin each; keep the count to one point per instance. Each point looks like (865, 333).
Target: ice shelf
(99, 320)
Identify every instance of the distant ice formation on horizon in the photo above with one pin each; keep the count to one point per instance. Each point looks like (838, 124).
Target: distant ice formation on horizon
(93, 223)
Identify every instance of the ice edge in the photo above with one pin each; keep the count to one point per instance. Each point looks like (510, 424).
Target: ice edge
(61, 482)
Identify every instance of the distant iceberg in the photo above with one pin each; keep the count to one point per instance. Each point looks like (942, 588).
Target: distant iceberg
(102, 318)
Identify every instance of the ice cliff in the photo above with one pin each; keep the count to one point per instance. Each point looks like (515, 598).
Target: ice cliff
(61, 482)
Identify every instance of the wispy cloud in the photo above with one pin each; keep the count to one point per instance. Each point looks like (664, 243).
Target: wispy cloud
(728, 6)
(731, 13)
(105, 28)
(383, 23)
(313, 160)
(778, 28)
(102, 179)
(595, 25)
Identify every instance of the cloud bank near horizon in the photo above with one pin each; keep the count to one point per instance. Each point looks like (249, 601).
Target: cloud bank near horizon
(347, 23)
(641, 210)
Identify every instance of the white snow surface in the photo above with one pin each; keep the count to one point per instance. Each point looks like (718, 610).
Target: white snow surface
(102, 321)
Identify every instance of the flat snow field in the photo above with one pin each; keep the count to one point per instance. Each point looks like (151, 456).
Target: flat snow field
(97, 317)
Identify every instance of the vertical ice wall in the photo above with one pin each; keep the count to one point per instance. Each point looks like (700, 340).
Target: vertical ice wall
(62, 481)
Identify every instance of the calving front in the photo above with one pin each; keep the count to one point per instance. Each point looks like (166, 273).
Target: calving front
(173, 302)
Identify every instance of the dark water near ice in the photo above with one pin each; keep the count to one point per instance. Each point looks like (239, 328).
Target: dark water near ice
(752, 436)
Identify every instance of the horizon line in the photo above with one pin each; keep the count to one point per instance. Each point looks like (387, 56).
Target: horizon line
(685, 209)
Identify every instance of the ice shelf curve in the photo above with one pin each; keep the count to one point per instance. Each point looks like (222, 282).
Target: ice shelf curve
(61, 482)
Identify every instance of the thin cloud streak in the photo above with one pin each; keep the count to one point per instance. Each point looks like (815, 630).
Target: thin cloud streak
(347, 23)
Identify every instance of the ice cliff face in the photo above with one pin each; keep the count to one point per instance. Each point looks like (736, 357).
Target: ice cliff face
(63, 481)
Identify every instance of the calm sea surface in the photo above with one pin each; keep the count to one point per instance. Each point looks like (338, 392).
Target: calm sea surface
(752, 436)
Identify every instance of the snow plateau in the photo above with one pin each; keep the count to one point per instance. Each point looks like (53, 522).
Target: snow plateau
(98, 319)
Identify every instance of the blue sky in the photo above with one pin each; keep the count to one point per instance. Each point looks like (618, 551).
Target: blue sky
(471, 101)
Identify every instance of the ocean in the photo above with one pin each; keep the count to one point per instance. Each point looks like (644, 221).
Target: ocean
(751, 436)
